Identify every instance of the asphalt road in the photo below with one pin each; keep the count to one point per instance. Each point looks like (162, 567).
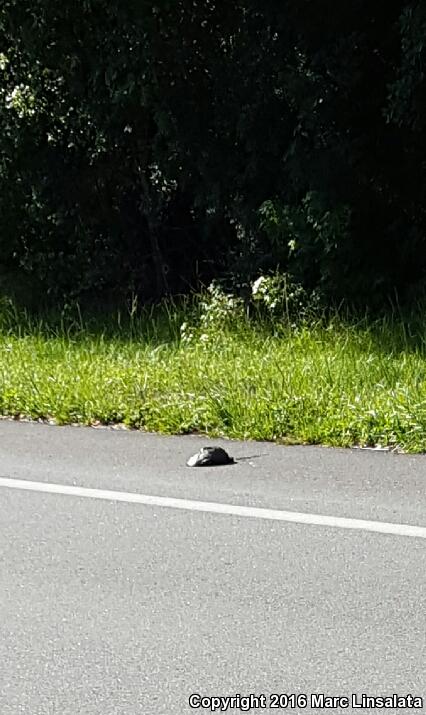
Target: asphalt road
(113, 607)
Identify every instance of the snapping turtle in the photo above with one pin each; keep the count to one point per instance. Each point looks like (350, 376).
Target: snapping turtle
(209, 457)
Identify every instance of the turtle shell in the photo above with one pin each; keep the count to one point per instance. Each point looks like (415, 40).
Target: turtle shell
(210, 456)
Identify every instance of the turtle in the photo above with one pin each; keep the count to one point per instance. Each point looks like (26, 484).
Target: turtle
(210, 457)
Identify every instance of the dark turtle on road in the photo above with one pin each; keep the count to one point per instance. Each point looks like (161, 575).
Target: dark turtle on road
(210, 457)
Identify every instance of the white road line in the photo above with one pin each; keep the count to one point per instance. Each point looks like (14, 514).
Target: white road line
(295, 517)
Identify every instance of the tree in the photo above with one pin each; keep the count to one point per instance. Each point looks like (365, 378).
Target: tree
(141, 141)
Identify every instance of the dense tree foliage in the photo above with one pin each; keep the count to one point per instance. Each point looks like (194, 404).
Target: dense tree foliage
(146, 146)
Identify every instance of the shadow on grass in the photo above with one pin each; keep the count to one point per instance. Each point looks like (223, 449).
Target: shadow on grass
(149, 324)
(393, 333)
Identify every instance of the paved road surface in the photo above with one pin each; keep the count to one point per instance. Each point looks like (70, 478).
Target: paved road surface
(109, 607)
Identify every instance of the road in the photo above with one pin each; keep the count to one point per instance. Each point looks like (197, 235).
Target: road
(126, 607)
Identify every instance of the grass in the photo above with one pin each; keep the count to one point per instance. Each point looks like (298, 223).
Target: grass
(321, 381)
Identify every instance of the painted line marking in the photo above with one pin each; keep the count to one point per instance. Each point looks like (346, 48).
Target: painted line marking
(294, 517)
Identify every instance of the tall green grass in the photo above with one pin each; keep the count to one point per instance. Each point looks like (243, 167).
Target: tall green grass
(328, 380)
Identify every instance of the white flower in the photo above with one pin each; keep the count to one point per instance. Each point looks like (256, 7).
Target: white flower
(256, 285)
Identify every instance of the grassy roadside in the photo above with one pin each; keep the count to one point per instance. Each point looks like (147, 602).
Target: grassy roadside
(314, 381)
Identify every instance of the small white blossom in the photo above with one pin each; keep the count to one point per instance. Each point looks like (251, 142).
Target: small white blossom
(256, 285)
